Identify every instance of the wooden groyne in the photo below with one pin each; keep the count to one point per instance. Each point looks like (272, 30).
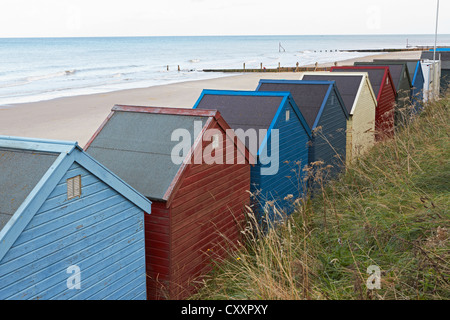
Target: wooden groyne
(281, 69)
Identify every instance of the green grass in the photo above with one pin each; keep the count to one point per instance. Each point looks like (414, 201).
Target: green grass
(389, 209)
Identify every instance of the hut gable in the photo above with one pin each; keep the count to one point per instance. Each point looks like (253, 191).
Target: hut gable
(325, 112)
(267, 110)
(73, 212)
(379, 76)
(400, 75)
(360, 101)
(399, 72)
(133, 136)
(351, 86)
(384, 89)
(197, 208)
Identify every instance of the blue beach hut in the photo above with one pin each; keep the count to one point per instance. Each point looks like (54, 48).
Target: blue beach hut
(282, 136)
(69, 228)
(326, 115)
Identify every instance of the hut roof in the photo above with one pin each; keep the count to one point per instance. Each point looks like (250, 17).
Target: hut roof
(376, 75)
(248, 109)
(412, 64)
(348, 84)
(398, 70)
(20, 172)
(309, 96)
(135, 143)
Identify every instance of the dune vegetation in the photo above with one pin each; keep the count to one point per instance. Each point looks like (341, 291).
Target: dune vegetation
(388, 211)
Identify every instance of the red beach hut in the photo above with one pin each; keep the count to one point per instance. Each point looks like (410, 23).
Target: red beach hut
(198, 206)
(384, 89)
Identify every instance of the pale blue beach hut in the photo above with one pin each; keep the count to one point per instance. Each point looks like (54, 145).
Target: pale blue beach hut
(69, 228)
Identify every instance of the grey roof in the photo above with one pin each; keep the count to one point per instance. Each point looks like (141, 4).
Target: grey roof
(445, 58)
(243, 111)
(20, 171)
(410, 63)
(348, 86)
(396, 70)
(137, 147)
(375, 76)
(308, 97)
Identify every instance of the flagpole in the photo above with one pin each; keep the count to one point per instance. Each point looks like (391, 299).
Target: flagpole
(435, 35)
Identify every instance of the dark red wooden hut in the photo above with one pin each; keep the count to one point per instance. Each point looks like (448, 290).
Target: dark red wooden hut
(384, 89)
(197, 207)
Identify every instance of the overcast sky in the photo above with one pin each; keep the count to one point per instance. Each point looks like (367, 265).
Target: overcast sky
(73, 18)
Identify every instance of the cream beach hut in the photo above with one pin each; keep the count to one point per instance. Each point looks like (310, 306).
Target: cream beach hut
(360, 102)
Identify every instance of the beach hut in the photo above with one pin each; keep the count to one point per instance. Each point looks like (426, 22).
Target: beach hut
(416, 76)
(281, 149)
(69, 228)
(444, 57)
(361, 103)
(384, 89)
(326, 115)
(175, 157)
(403, 84)
(432, 77)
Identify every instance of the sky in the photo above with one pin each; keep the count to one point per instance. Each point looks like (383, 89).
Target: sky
(99, 18)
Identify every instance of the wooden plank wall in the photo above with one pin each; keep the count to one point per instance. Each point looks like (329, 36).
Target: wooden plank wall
(101, 233)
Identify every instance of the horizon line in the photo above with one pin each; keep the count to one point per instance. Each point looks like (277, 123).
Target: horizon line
(223, 35)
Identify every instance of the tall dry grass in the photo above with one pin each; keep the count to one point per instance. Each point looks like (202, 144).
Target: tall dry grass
(389, 209)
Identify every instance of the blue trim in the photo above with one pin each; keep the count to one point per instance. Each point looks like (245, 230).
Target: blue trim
(416, 72)
(322, 107)
(243, 93)
(341, 101)
(316, 82)
(300, 116)
(287, 97)
(441, 50)
(272, 124)
(44, 145)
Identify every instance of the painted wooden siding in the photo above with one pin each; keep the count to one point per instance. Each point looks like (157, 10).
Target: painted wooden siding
(329, 143)
(292, 158)
(157, 250)
(362, 127)
(417, 90)
(101, 232)
(384, 117)
(206, 216)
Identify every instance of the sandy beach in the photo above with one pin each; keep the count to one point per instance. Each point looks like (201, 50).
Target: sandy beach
(77, 118)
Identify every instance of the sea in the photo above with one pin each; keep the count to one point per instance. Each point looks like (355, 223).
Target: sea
(36, 69)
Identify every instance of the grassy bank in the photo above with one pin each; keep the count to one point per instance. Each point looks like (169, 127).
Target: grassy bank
(389, 210)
